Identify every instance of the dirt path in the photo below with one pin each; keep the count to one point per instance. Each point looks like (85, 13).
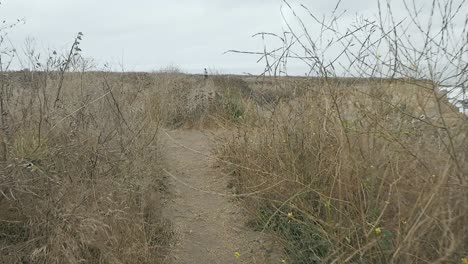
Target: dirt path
(210, 227)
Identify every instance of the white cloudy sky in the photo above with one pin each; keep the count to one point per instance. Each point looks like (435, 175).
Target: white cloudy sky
(151, 34)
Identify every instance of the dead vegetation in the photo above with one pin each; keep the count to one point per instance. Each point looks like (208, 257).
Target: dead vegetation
(368, 183)
(356, 170)
(366, 161)
(80, 182)
(370, 168)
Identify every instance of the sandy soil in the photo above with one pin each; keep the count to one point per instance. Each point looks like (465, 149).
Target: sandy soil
(209, 222)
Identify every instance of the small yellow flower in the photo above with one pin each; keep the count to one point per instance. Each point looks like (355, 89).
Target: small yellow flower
(290, 215)
(283, 261)
(378, 230)
(237, 254)
(464, 260)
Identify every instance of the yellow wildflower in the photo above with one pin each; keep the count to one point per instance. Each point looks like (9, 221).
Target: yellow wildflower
(464, 260)
(378, 230)
(237, 254)
(290, 215)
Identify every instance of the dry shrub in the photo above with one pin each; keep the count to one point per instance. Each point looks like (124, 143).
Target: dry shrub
(80, 182)
(184, 99)
(268, 91)
(369, 165)
(357, 175)
(232, 84)
(191, 101)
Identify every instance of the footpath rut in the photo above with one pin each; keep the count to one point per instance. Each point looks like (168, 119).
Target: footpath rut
(209, 223)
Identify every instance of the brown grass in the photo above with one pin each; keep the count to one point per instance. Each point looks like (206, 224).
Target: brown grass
(368, 172)
(81, 182)
(355, 170)
(341, 170)
(190, 101)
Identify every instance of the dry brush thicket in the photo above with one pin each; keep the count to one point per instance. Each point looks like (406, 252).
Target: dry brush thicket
(371, 168)
(81, 176)
(370, 181)
(80, 182)
(363, 170)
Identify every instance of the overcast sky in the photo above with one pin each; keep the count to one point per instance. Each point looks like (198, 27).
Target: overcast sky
(151, 34)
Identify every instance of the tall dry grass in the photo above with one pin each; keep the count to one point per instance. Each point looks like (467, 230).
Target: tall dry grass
(366, 184)
(368, 162)
(80, 177)
(191, 101)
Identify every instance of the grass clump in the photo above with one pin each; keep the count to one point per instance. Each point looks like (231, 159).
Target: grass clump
(232, 105)
(193, 102)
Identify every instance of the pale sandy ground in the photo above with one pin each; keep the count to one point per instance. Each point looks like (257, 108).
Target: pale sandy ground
(208, 221)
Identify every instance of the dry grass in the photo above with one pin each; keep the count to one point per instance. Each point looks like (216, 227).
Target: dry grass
(80, 178)
(190, 101)
(363, 175)
(371, 168)
(80, 182)
(363, 170)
